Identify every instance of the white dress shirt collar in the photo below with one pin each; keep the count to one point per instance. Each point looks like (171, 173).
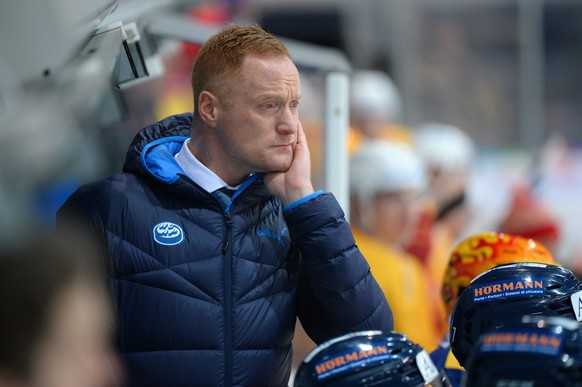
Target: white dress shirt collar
(198, 172)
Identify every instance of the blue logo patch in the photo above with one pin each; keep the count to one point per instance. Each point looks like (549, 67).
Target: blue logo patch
(168, 234)
(277, 237)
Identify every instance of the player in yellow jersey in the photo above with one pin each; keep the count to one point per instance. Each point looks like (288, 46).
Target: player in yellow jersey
(386, 179)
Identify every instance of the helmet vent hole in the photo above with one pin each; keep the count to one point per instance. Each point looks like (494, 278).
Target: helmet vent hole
(554, 286)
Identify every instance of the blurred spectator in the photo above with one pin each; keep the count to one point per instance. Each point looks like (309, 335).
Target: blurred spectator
(56, 323)
(375, 106)
(471, 257)
(448, 153)
(530, 217)
(385, 181)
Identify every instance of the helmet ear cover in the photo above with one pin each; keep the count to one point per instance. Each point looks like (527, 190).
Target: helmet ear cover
(508, 292)
(368, 358)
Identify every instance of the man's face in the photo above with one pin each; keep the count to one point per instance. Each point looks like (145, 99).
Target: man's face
(257, 128)
(394, 213)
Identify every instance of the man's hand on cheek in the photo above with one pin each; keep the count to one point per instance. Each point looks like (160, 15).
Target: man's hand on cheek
(295, 183)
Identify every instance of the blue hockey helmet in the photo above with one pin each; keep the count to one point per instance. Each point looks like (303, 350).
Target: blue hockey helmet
(369, 358)
(531, 351)
(507, 292)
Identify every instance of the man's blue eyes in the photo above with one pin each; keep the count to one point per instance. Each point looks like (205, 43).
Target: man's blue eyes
(276, 105)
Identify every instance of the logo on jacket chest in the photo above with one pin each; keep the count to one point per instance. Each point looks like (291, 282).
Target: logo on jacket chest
(281, 237)
(168, 234)
(273, 228)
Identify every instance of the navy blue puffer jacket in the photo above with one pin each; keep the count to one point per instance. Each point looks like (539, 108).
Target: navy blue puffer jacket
(207, 294)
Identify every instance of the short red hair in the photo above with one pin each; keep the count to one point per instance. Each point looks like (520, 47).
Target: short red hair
(223, 54)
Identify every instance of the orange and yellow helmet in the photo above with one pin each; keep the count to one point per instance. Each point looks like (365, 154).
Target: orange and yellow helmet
(481, 252)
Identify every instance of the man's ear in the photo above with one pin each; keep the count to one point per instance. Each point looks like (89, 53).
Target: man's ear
(209, 106)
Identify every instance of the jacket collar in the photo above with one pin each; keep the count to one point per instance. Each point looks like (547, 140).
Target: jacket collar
(151, 153)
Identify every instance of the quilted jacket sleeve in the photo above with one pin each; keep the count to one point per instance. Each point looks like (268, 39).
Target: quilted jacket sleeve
(337, 292)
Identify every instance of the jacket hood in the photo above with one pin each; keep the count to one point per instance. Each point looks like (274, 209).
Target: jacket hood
(151, 154)
(170, 132)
